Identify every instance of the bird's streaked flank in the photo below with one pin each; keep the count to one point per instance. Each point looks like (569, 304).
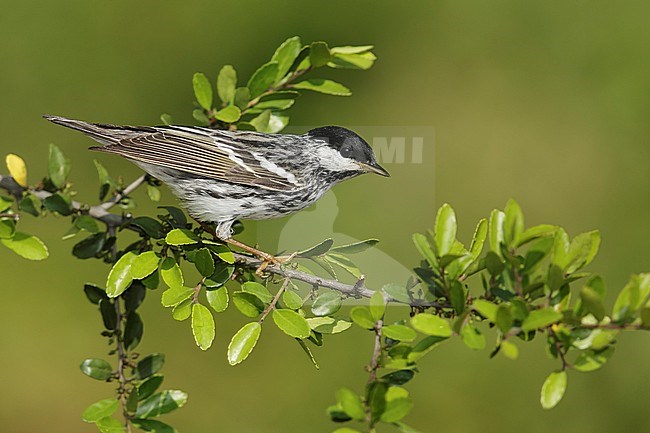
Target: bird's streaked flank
(222, 176)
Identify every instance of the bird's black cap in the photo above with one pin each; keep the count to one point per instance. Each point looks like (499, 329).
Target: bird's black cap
(350, 145)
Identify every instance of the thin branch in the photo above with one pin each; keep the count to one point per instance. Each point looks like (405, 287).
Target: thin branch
(275, 300)
(376, 353)
(124, 193)
(122, 361)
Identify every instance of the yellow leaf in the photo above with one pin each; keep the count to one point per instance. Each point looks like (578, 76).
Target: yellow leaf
(17, 169)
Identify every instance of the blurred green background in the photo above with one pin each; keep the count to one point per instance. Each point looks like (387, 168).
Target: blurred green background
(546, 102)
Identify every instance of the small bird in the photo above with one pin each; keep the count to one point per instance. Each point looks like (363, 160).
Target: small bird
(221, 176)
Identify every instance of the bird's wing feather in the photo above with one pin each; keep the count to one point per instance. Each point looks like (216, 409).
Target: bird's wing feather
(205, 153)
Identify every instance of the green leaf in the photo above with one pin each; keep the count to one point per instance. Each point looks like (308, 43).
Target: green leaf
(258, 290)
(592, 302)
(222, 251)
(362, 317)
(109, 315)
(291, 300)
(248, 304)
(94, 293)
(243, 342)
(87, 223)
(630, 299)
(472, 337)
(540, 319)
(133, 331)
(560, 253)
(431, 325)
(17, 169)
(144, 265)
(361, 61)
(204, 262)
(348, 49)
(291, 323)
(242, 97)
(218, 299)
(181, 237)
(153, 193)
(344, 263)
(277, 122)
(457, 296)
(424, 247)
(397, 292)
(149, 365)
(399, 332)
(149, 226)
(161, 403)
(30, 204)
(536, 232)
(7, 228)
(319, 54)
(317, 250)
(261, 122)
(183, 310)
(26, 246)
(59, 203)
(222, 274)
(346, 430)
(509, 350)
(376, 399)
(445, 230)
(513, 223)
(227, 83)
(152, 425)
(202, 326)
(496, 230)
(149, 386)
(486, 308)
(229, 114)
(321, 85)
(356, 247)
(328, 325)
(263, 78)
(582, 250)
(119, 278)
(399, 377)
(96, 368)
(591, 360)
(58, 167)
(202, 90)
(166, 119)
(175, 295)
(351, 403)
(100, 409)
(326, 303)
(398, 404)
(171, 272)
(285, 55)
(377, 305)
(5, 203)
(553, 389)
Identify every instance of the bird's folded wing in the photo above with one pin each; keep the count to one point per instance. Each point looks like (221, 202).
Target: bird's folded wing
(204, 153)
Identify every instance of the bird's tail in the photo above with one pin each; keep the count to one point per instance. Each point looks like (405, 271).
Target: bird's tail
(103, 133)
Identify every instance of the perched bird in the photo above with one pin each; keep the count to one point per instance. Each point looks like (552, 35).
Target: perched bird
(221, 176)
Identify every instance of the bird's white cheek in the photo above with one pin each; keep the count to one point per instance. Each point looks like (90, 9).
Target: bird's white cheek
(331, 160)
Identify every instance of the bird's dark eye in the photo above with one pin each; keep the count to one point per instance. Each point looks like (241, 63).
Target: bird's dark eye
(346, 151)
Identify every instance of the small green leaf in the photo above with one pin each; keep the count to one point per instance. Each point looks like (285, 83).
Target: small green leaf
(445, 230)
(202, 90)
(317, 250)
(149, 386)
(110, 425)
(94, 293)
(326, 303)
(351, 403)
(424, 247)
(166, 119)
(133, 331)
(285, 55)
(377, 305)
(320, 85)
(513, 223)
(229, 114)
(161, 403)
(119, 278)
(397, 292)
(263, 78)
(486, 308)
(171, 272)
(149, 226)
(291, 323)
(218, 299)
(242, 97)
(397, 407)
(399, 377)
(261, 122)
(5, 203)
(431, 325)
(181, 237)
(509, 350)
(319, 54)
(59, 167)
(248, 304)
(175, 295)
(183, 310)
(258, 290)
(344, 263)
(59, 203)
(100, 409)
(109, 315)
(472, 337)
(7, 228)
(356, 247)
(291, 300)
(243, 342)
(153, 192)
(496, 230)
(328, 325)
(553, 389)
(30, 204)
(399, 333)
(202, 326)
(536, 232)
(149, 365)
(227, 83)
(204, 262)
(26, 246)
(144, 265)
(540, 319)
(362, 317)
(153, 425)
(361, 61)
(96, 368)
